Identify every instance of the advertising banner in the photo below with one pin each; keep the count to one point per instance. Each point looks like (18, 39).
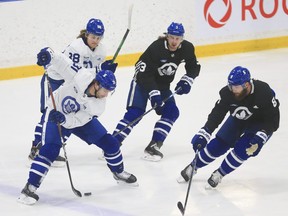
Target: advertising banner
(234, 20)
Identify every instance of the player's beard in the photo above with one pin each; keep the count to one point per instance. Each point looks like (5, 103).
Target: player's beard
(241, 95)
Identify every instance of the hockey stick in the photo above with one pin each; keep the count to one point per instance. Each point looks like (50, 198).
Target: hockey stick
(126, 33)
(179, 204)
(76, 192)
(145, 113)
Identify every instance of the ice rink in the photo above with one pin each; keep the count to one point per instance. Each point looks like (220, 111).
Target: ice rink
(258, 187)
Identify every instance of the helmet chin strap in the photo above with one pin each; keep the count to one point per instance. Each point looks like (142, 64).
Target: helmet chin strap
(87, 91)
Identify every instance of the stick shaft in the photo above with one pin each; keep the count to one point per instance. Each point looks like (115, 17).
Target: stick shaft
(179, 204)
(125, 35)
(76, 192)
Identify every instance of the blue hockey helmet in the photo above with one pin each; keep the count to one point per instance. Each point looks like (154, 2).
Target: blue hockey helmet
(106, 79)
(239, 76)
(176, 29)
(95, 26)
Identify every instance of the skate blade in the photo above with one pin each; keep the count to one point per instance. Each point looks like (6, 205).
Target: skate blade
(181, 180)
(123, 183)
(209, 187)
(153, 158)
(58, 164)
(23, 199)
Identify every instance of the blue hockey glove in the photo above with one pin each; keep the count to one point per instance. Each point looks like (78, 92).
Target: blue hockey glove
(184, 85)
(56, 117)
(156, 101)
(108, 65)
(45, 56)
(256, 143)
(200, 140)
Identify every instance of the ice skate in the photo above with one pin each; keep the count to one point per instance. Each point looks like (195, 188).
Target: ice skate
(214, 180)
(28, 195)
(59, 162)
(186, 174)
(125, 178)
(152, 151)
(34, 150)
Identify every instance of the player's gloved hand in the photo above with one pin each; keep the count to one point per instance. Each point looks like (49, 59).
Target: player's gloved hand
(156, 101)
(184, 85)
(200, 140)
(256, 143)
(45, 56)
(56, 117)
(108, 65)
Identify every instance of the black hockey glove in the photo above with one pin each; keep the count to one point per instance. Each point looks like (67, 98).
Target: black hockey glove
(156, 101)
(200, 140)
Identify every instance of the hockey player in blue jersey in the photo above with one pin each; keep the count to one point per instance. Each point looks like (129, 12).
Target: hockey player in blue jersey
(86, 51)
(154, 72)
(79, 101)
(254, 117)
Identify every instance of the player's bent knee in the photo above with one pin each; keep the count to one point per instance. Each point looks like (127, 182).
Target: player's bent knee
(217, 147)
(133, 113)
(109, 144)
(50, 151)
(170, 111)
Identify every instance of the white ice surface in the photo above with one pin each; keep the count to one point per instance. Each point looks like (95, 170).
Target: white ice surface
(258, 187)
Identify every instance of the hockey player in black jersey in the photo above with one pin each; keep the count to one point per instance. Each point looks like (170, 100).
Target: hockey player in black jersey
(154, 72)
(254, 116)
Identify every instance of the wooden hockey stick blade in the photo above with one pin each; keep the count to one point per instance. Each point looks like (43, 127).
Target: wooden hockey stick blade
(181, 208)
(76, 192)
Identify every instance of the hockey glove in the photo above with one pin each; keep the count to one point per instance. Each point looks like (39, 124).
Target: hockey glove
(56, 117)
(45, 56)
(184, 85)
(108, 65)
(256, 143)
(156, 101)
(200, 140)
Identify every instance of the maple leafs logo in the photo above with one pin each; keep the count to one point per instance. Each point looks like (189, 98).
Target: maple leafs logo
(242, 113)
(69, 105)
(167, 69)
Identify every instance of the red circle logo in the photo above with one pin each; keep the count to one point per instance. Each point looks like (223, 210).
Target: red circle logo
(212, 22)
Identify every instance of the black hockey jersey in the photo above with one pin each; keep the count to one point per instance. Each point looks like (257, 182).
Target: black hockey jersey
(260, 107)
(157, 66)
